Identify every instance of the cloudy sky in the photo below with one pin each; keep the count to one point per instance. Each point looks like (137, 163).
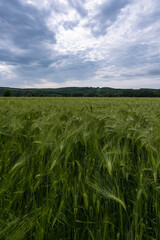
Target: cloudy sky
(62, 43)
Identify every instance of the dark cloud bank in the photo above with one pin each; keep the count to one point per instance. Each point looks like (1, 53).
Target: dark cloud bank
(29, 52)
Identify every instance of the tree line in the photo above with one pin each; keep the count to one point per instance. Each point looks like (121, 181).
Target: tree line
(79, 92)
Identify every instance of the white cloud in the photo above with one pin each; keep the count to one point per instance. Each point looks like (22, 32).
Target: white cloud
(38, 3)
(120, 35)
(45, 83)
(134, 83)
(124, 32)
(6, 71)
(113, 83)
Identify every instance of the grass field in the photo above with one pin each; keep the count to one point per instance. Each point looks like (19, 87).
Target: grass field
(79, 168)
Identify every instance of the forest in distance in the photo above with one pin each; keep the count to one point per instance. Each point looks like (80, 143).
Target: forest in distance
(78, 92)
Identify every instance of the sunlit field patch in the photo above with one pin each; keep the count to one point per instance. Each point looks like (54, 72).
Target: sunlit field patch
(79, 168)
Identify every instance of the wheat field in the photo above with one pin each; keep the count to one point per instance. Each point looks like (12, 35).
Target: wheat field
(79, 168)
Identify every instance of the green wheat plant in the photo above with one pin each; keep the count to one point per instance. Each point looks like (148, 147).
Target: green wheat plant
(79, 168)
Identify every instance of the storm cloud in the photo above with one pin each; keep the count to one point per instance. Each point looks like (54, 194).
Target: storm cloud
(80, 43)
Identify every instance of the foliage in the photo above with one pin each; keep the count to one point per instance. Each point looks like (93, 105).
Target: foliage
(79, 168)
(8, 93)
(82, 92)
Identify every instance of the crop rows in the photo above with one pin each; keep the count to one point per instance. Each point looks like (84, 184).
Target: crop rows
(79, 168)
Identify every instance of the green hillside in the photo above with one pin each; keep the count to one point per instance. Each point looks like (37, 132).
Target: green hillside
(81, 92)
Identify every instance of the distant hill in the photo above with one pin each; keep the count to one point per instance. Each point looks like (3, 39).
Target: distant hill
(79, 92)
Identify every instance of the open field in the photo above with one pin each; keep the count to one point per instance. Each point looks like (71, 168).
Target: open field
(79, 168)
